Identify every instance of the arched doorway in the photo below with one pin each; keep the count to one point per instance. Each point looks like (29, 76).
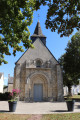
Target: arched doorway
(38, 87)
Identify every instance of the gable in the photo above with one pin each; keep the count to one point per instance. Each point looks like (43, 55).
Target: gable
(39, 51)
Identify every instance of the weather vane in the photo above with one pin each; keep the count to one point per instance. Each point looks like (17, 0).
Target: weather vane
(38, 16)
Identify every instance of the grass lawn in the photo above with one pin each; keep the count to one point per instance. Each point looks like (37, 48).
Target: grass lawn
(70, 116)
(5, 116)
(76, 97)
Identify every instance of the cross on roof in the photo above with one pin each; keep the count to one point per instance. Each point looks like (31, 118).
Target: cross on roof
(38, 16)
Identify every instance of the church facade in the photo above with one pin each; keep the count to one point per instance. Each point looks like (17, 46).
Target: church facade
(37, 73)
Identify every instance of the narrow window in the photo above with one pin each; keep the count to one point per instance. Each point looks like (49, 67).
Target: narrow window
(38, 63)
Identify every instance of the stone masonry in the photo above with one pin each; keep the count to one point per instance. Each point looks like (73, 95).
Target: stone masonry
(37, 73)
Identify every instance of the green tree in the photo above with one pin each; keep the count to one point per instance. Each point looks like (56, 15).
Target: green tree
(70, 62)
(15, 17)
(62, 15)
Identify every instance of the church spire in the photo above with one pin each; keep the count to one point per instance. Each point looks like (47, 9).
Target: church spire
(38, 34)
(38, 30)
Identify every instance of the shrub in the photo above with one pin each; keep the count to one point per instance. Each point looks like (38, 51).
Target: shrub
(78, 93)
(4, 96)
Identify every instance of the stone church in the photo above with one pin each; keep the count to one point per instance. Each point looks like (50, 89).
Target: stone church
(37, 73)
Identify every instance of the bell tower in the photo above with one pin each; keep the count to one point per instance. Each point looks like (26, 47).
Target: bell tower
(38, 34)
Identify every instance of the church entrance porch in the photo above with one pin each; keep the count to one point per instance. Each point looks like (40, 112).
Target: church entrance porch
(38, 92)
(37, 88)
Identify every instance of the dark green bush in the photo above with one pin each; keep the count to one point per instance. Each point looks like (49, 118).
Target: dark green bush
(78, 93)
(4, 96)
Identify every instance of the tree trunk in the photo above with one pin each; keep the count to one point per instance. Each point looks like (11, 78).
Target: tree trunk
(69, 91)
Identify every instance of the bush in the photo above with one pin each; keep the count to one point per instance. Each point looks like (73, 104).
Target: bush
(4, 96)
(78, 93)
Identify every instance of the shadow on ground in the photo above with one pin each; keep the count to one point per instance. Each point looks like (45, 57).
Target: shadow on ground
(59, 111)
(3, 111)
(78, 106)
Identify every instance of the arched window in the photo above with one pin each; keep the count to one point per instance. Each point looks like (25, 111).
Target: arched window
(38, 63)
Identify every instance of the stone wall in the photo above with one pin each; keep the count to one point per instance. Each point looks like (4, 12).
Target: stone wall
(26, 74)
(10, 87)
(59, 84)
(50, 84)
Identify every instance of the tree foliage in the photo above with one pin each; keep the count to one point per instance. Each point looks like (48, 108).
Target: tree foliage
(62, 15)
(15, 17)
(70, 61)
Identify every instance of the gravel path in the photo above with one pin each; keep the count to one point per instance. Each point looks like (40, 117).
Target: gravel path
(39, 108)
(35, 117)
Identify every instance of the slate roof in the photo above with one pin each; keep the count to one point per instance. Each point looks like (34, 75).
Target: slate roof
(38, 31)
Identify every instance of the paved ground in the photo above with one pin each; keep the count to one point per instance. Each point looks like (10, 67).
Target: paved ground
(39, 108)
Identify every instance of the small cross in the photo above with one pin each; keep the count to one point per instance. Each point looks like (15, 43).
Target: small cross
(38, 16)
